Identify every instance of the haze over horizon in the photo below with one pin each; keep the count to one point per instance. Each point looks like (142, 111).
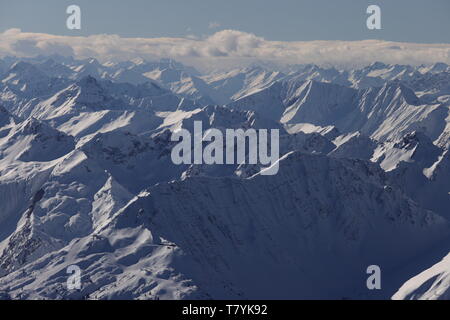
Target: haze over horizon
(224, 49)
(211, 34)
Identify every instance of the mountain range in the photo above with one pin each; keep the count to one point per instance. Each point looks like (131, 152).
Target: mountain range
(86, 179)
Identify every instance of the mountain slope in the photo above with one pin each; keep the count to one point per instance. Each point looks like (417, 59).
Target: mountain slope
(213, 243)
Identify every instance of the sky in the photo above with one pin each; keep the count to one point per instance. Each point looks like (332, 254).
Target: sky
(421, 21)
(231, 32)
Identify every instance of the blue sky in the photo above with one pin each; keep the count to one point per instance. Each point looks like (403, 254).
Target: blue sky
(287, 20)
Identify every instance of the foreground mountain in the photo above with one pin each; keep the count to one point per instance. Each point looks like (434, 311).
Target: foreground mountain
(174, 234)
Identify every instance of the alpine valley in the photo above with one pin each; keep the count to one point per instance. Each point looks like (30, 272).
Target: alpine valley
(86, 179)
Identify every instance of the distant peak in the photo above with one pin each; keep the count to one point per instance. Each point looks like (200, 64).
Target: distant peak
(92, 61)
(377, 65)
(21, 66)
(439, 67)
(404, 91)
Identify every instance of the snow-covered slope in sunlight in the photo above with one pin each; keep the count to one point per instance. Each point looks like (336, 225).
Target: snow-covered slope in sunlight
(420, 167)
(431, 284)
(26, 79)
(354, 146)
(32, 140)
(235, 84)
(386, 112)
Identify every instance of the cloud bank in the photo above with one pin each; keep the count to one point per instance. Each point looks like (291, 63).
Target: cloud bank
(223, 47)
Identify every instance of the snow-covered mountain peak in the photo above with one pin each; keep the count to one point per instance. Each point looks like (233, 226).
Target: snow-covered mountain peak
(414, 148)
(32, 126)
(393, 90)
(88, 82)
(316, 102)
(55, 69)
(89, 67)
(33, 140)
(377, 65)
(27, 79)
(166, 75)
(439, 67)
(87, 92)
(222, 118)
(25, 69)
(412, 140)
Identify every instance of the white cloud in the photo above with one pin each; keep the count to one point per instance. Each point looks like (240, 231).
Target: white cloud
(223, 48)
